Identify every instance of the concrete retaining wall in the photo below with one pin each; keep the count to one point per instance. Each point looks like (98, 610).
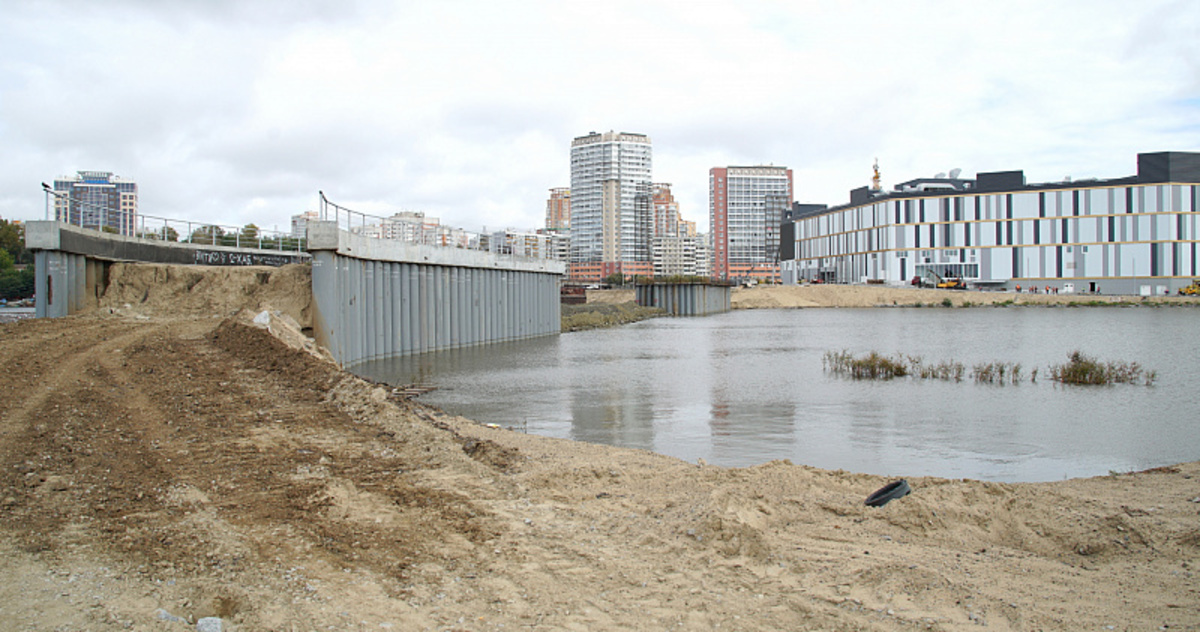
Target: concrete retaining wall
(71, 263)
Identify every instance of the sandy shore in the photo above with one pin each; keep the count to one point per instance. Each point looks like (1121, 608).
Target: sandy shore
(797, 296)
(791, 296)
(165, 464)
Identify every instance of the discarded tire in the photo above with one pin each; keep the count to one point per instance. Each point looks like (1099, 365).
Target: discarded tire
(888, 493)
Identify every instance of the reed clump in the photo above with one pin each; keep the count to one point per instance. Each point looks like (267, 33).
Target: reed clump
(1082, 369)
(873, 366)
(947, 370)
(998, 373)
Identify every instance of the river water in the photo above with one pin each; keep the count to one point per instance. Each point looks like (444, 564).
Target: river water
(747, 387)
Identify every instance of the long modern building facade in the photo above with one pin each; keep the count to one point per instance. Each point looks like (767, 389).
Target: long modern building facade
(97, 200)
(611, 213)
(746, 206)
(1130, 235)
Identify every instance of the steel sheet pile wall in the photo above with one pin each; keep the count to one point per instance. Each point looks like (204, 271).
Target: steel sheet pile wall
(685, 299)
(67, 283)
(368, 310)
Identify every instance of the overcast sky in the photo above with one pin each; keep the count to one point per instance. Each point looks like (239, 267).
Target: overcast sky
(234, 111)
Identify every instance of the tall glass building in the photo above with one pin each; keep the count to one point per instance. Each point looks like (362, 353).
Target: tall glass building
(1131, 235)
(97, 200)
(611, 211)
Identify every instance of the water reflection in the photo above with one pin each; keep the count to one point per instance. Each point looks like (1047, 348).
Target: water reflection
(747, 387)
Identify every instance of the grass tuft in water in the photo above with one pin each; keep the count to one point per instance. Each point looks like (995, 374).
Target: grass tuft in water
(872, 366)
(1082, 369)
(1079, 370)
(998, 373)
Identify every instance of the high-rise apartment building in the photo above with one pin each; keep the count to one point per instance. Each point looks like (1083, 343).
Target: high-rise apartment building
(97, 200)
(611, 215)
(675, 249)
(666, 211)
(746, 206)
(558, 209)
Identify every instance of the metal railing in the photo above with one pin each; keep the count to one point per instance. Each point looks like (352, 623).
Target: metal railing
(71, 210)
(412, 227)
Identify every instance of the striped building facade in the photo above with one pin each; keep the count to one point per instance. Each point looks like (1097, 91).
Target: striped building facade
(1125, 236)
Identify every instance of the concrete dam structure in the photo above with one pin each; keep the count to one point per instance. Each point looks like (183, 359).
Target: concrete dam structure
(379, 298)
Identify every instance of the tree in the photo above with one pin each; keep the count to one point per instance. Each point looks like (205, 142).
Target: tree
(12, 239)
(248, 236)
(208, 235)
(14, 283)
(615, 278)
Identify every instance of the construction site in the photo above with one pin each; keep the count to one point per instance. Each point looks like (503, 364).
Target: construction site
(169, 461)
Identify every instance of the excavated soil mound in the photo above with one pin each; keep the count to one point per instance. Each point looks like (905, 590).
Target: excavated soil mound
(174, 291)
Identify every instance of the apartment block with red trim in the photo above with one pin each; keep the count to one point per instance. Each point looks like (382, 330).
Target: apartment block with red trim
(745, 209)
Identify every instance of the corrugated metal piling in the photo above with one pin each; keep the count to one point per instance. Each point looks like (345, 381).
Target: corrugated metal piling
(685, 299)
(378, 298)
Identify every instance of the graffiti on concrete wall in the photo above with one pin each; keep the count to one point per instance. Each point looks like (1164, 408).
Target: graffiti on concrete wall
(228, 258)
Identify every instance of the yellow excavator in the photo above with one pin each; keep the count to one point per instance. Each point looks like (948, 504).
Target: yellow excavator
(1191, 290)
(933, 279)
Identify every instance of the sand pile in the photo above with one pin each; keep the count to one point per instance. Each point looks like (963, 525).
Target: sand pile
(171, 290)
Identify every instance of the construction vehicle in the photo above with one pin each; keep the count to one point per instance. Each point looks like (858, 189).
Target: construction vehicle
(1191, 290)
(933, 279)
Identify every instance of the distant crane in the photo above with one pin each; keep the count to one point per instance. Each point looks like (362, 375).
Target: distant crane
(875, 186)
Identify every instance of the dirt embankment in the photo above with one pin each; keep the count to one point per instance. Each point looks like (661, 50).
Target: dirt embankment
(599, 315)
(792, 296)
(143, 290)
(819, 295)
(202, 467)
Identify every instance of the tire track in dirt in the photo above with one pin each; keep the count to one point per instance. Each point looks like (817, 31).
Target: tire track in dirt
(31, 386)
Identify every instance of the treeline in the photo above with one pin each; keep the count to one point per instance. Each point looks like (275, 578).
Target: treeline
(16, 263)
(248, 236)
